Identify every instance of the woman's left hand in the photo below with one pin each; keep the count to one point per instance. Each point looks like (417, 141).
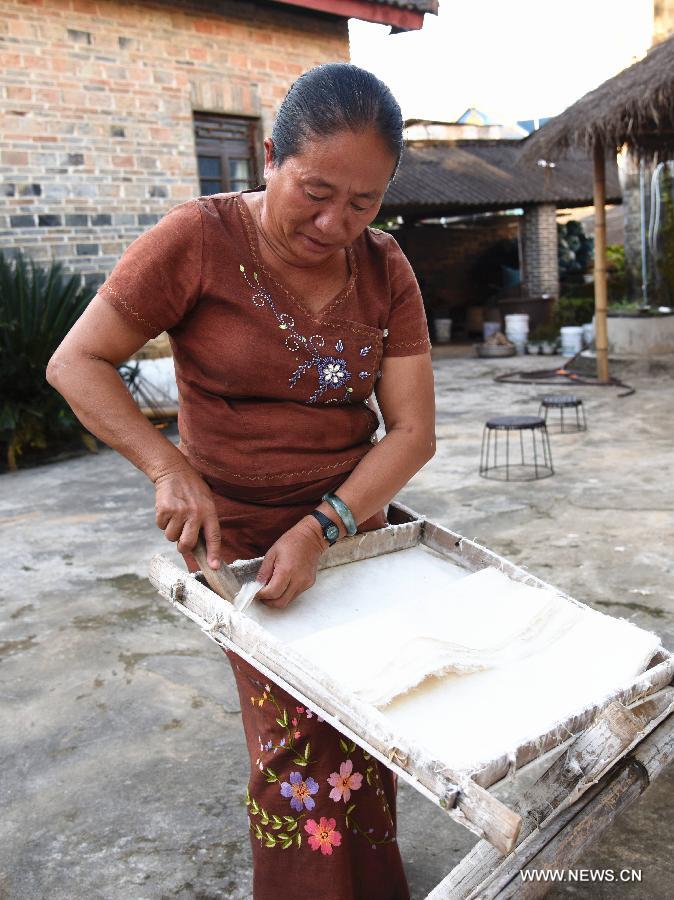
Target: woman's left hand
(290, 565)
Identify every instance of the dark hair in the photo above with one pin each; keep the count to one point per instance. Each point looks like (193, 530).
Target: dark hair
(331, 98)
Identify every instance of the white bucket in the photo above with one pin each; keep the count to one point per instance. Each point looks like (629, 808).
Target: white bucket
(572, 339)
(517, 330)
(517, 319)
(588, 334)
(516, 324)
(443, 331)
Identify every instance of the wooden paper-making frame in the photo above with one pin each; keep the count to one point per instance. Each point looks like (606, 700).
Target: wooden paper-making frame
(631, 731)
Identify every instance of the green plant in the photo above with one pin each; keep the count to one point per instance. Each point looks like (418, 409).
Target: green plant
(545, 333)
(38, 306)
(615, 260)
(616, 273)
(624, 305)
(574, 311)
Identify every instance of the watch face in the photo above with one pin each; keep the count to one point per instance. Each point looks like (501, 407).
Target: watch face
(332, 532)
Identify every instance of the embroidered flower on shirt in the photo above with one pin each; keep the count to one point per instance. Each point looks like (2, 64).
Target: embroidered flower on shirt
(299, 791)
(333, 371)
(343, 783)
(323, 835)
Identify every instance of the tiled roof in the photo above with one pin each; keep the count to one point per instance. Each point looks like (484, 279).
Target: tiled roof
(482, 175)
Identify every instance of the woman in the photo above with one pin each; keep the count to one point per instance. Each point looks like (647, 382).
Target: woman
(285, 313)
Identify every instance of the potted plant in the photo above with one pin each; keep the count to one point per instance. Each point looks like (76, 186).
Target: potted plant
(38, 306)
(545, 337)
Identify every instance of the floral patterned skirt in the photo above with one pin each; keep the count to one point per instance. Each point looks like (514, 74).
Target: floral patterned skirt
(321, 811)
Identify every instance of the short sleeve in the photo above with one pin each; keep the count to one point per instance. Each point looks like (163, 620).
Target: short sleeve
(407, 330)
(158, 278)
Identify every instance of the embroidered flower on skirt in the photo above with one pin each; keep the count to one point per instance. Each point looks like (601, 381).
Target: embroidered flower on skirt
(299, 791)
(343, 783)
(323, 835)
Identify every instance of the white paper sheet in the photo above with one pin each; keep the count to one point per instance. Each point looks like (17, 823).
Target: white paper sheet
(529, 658)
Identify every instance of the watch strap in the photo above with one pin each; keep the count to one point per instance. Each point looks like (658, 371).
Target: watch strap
(328, 527)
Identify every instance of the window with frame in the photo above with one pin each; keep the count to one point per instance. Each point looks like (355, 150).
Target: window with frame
(226, 153)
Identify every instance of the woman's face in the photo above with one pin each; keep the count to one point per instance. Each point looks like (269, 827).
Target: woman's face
(320, 200)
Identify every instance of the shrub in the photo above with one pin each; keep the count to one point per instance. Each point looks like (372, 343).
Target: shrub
(38, 306)
(548, 333)
(616, 274)
(574, 311)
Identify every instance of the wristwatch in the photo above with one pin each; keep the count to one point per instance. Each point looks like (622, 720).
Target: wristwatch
(328, 527)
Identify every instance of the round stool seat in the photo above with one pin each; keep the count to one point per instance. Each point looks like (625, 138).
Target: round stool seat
(526, 460)
(557, 401)
(556, 404)
(514, 423)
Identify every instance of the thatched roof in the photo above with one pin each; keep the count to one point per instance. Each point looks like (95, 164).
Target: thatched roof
(463, 177)
(636, 107)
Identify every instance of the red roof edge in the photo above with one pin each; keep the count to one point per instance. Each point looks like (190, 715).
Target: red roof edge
(400, 19)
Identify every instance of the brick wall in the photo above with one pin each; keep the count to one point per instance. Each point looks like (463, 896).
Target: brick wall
(443, 260)
(538, 242)
(96, 104)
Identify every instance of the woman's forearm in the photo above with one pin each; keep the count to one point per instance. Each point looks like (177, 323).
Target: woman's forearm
(406, 401)
(383, 472)
(99, 398)
(290, 565)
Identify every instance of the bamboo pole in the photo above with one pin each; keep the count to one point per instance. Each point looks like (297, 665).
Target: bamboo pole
(600, 290)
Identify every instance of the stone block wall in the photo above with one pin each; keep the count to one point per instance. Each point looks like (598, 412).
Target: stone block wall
(630, 184)
(538, 248)
(97, 100)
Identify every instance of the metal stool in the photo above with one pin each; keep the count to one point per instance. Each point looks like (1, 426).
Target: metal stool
(534, 461)
(562, 402)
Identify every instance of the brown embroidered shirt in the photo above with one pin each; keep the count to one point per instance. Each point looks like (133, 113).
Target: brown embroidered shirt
(269, 393)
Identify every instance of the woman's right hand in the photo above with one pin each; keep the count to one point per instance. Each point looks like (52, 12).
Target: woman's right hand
(184, 506)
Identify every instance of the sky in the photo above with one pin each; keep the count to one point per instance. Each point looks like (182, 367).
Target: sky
(512, 59)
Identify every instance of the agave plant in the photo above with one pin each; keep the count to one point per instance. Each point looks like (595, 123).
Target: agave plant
(38, 306)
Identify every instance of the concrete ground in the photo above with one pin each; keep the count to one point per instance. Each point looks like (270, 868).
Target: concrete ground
(123, 762)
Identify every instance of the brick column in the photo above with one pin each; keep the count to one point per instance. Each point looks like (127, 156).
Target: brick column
(538, 243)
